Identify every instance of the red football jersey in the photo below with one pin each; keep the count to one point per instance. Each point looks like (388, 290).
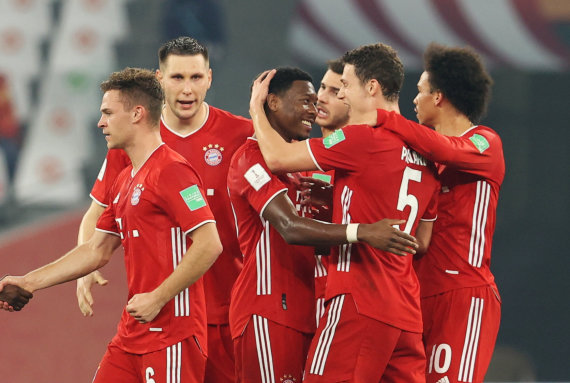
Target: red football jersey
(152, 211)
(322, 254)
(277, 278)
(115, 161)
(376, 176)
(472, 168)
(209, 150)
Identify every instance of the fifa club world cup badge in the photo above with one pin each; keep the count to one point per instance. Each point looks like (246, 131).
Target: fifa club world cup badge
(213, 154)
(136, 196)
(288, 379)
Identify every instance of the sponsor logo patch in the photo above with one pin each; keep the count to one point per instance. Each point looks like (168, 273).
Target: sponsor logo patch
(480, 142)
(334, 138)
(193, 197)
(322, 177)
(257, 176)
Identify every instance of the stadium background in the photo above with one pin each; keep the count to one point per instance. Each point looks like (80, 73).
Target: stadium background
(53, 54)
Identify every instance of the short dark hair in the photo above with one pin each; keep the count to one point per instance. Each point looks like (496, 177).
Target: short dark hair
(379, 62)
(283, 80)
(337, 66)
(460, 75)
(182, 46)
(138, 87)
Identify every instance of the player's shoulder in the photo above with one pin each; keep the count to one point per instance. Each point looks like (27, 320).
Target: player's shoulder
(228, 117)
(246, 152)
(484, 137)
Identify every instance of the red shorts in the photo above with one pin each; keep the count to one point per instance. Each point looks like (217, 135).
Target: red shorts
(220, 366)
(349, 347)
(460, 330)
(268, 352)
(182, 362)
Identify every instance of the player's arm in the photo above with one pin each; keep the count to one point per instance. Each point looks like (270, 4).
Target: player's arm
(205, 248)
(297, 230)
(459, 152)
(78, 262)
(86, 230)
(423, 235)
(280, 155)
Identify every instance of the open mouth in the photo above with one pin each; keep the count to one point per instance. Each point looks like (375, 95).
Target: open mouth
(186, 104)
(322, 113)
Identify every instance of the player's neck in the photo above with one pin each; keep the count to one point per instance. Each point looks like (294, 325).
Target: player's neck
(186, 126)
(143, 145)
(453, 124)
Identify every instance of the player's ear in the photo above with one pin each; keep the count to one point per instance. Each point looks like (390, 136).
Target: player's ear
(373, 87)
(273, 102)
(159, 76)
(138, 113)
(438, 97)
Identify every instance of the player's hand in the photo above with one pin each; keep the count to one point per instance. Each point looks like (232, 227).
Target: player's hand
(315, 194)
(83, 291)
(259, 91)
(144, 307)
(384, 236)
(12, 296)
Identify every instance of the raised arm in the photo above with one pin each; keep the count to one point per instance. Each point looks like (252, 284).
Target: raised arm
(280, 155)
(460, 152)
(205, 248)
(297, 230)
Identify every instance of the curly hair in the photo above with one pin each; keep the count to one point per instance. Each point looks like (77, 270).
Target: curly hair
(460, 75)
(379, 62)
(181, 46)
(138, 87)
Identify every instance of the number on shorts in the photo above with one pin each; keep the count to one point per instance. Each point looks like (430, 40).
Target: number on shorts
(436, 362)
(149, 373)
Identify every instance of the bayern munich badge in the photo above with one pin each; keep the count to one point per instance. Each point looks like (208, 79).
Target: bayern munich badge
(288, 379)
(213, 154)
(136, 196)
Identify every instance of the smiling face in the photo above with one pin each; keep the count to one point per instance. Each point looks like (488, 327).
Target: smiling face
(115, 121)
(185, 81)
(425, 102)
(332, 111)
(295, 111)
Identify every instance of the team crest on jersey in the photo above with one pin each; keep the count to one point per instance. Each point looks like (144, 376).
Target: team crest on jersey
(287, 378)
(136, 196)
(213, 154)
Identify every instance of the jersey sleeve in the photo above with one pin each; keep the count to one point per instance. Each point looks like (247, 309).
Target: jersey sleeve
(183, 197)
(341, 150)
(479, 152)
(115, 161)
(253, 181)
(430, 214)
(106, 222)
